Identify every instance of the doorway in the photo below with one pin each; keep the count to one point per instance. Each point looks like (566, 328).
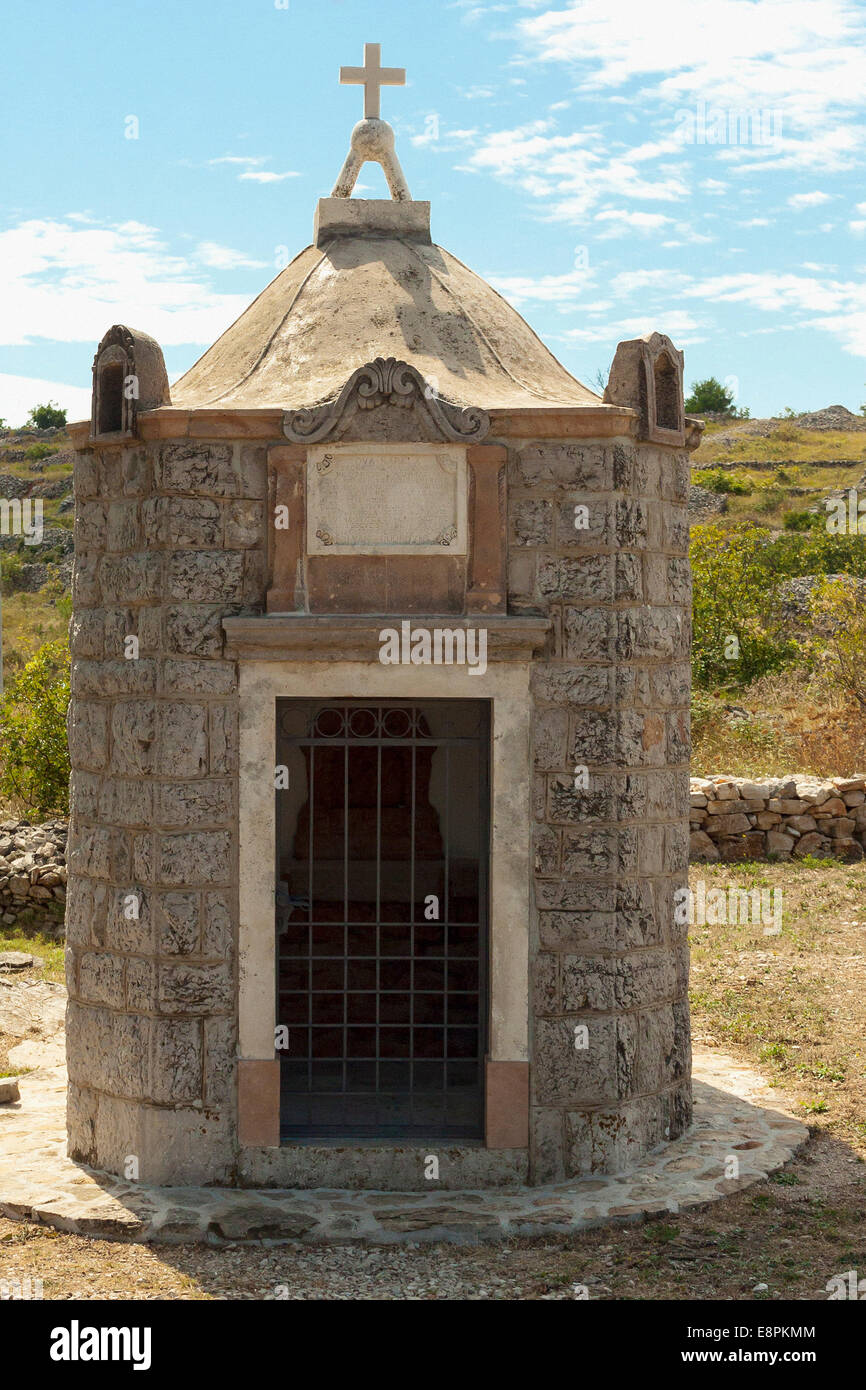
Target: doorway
(382, 863)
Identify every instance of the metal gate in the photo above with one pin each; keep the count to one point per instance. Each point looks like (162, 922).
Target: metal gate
(382, 890)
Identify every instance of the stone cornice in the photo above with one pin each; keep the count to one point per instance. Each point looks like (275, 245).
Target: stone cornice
(266, 423)
(311, 637)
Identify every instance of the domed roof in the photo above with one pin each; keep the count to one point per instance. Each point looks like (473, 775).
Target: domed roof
(374, 285)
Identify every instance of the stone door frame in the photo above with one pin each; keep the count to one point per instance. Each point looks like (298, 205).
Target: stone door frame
(506, 686)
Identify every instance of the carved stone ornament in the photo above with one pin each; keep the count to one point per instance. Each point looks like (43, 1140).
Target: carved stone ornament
(387, 381)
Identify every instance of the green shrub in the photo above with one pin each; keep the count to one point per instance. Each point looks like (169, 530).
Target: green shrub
(738, 573)
(816, 551)
(738, 627)
(47, 417)
(34, 758)
(40, 451)
(717, 480)
(11, 562)
(803, 521)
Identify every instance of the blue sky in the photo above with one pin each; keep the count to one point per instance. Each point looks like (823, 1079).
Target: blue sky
(694, 166)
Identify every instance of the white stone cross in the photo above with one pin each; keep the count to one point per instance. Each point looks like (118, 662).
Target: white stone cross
(372, 76)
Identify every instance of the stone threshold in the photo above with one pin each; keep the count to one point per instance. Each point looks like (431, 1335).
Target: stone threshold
(323, 637)
(733, 1119)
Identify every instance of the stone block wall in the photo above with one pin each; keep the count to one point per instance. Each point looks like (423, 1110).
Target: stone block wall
(169, 539)
(738, 818)
(611, 844)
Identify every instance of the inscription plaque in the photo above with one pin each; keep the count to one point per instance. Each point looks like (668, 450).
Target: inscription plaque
(386, 499)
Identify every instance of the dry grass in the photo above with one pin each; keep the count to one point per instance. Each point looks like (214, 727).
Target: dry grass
(49, 965)
(792, 1005)
(797, 722)
(783, 442)
(30, 620)
(772, 495)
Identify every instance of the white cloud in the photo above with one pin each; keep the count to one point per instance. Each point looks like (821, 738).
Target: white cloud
(808, 200)
(441, 138)
(225, 257)
(626, 221)
(19, 394)
(800, 301)
(626, 282)
(549, 288)
(68, 283)
(849, 328)
(245, 159)
(267, 176)
(681, 326)
(252, 173)
(840, 305)
(572, 173)
(800, 59)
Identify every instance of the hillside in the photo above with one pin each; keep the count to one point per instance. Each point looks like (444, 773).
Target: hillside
(36, 578)
(766, 471)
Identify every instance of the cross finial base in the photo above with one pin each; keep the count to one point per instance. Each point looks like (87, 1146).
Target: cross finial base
(372, 142)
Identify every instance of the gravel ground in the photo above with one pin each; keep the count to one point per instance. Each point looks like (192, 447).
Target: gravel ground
(781, 1239)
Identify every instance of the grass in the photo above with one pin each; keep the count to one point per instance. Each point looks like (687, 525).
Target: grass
(49, 952)
(732, 442)
(29, 621)
(791, 1004)
(768, 497)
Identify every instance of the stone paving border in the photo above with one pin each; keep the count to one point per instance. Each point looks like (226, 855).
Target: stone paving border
(732, 1117)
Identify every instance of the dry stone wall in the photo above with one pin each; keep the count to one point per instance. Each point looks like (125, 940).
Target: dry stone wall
(737, 818)
(169, 539)
(610, 1030)
(33, 872)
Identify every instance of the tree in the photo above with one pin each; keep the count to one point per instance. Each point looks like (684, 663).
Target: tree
(600, 379)
(710, 397)
(35, 756)
(47, 417)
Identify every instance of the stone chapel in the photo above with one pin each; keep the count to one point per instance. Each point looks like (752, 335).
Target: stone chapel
(379, 734)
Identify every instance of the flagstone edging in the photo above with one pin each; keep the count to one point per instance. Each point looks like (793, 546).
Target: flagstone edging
(733, 1122)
